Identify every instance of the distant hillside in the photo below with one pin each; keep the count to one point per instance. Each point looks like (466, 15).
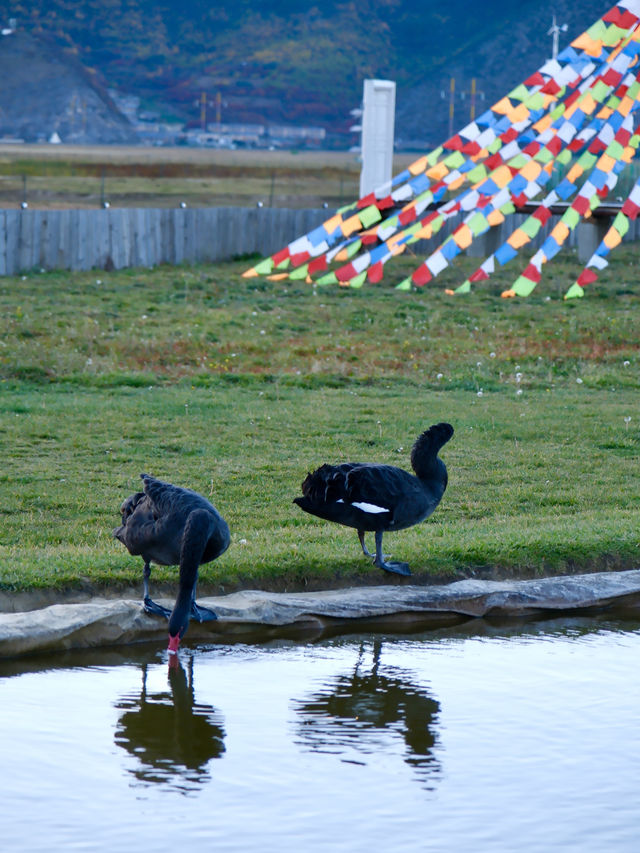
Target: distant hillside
(286, 62)
(45, 93)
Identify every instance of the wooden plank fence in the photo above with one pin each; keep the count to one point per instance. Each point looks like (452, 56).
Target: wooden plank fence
(115, 238)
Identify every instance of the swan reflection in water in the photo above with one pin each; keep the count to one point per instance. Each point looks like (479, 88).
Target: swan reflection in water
(172, 736)
(361, 713)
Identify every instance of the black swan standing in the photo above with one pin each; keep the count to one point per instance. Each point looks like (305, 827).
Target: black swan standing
(173, 526)
(380, 497)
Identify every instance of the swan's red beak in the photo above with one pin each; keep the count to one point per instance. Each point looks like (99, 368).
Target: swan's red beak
(174, 643)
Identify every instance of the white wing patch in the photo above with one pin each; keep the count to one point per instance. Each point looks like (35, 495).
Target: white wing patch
(372, 508)
(365, 507)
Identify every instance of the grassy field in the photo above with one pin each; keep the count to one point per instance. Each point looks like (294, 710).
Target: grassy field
(57, 176)
(237, 387)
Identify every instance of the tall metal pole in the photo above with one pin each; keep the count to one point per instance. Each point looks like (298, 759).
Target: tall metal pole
(452, 100)
(554, 31)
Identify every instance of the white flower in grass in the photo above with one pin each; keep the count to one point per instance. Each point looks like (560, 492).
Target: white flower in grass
(480, 392)
(579, 381)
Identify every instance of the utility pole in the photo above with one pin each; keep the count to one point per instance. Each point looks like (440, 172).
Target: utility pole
(473, 94)
(203, 111)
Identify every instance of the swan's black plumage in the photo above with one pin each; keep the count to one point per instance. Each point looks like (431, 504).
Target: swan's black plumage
(376, 498)
(170, 526)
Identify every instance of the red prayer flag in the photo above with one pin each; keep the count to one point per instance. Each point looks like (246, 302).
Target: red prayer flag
(580, 204)
(346, 272)
(454, 144)
(535, 80)
(542, 214)
(366, 201)
(300, 258)
(421, 275)
(375, 272)
(318, 264)
(407, 216)
(479, 275)
(587, 276)
(630, 209)
(280, 256)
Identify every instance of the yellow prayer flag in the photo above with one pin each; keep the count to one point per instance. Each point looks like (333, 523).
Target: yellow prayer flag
(517, 239)
(560, 233)
(612, 239)
(463, 237)
(419, 166)
(496, 217)
(531, 170)
(350, 225)
(574, 173)
(437, 172)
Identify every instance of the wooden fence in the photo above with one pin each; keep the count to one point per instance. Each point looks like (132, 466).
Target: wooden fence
(116, 238)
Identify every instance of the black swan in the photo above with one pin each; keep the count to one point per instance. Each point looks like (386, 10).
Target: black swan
(173, 526)
(380, 497)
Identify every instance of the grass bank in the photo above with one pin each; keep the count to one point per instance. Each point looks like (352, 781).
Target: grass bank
(237, 387)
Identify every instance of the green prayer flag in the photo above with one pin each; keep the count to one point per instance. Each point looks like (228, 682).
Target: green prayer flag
(358, 280)
(465, 287)
(520, 93)
(543, 156)
(518, 162)
(329, 278)
(587, 161)
(404, 285)
(600, 91)
(531, 226)
(613, 35)
(478, 224)
(621, 224)
(535, 102)
(597, 30)
(523, 286)
(570, 217)
(478, 173)
(299, 273)
(264, 267)
(353, 248)
(574, 291)
(369, 215)
(453, 161)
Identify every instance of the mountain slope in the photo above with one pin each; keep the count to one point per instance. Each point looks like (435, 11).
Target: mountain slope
(286, 62)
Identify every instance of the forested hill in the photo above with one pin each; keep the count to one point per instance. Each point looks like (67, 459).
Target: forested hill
(284, 61)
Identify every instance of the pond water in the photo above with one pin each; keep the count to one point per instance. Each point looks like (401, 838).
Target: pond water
(476, 738)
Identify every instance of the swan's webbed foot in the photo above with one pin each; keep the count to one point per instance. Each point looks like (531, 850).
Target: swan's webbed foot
(380, 560)
(202, 614)
(154, 609)
(396, 568)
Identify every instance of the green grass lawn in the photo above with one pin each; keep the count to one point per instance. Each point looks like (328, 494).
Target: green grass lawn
(237, 387)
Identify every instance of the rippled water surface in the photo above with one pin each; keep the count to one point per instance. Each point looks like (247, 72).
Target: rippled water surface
(472, 739)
